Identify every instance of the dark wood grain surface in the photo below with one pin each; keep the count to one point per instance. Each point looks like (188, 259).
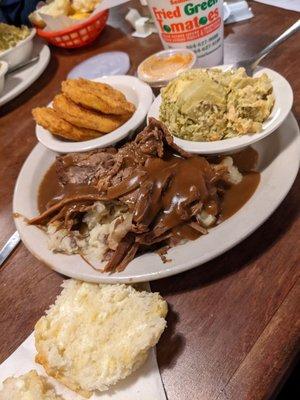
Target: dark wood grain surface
(233, 327)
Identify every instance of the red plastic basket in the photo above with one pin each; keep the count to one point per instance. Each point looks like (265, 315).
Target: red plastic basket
(77, 35)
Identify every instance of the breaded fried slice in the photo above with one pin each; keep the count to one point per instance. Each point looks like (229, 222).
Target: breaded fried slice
(97, 96)
(52, 121)
(96, 334)
(85, 118)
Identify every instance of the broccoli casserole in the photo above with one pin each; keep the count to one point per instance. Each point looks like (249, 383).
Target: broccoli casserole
(11, 35)
(209, 104)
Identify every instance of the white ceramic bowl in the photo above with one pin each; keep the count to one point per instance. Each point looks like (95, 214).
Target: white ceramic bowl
(283, 103)
(136, 91)
(18, 81)
(19, 53)
(3, 70)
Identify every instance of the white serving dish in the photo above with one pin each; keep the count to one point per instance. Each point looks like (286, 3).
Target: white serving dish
(18, 81)
(3, 70)
(283, 104)
(278, 164)
(136, 91)
(19, 53)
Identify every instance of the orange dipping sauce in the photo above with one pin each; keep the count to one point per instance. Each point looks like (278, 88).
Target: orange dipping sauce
(165, 65)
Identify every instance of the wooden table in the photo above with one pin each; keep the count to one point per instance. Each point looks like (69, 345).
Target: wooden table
(233, 326)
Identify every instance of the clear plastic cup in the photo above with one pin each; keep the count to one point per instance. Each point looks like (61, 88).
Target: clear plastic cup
(158, 69)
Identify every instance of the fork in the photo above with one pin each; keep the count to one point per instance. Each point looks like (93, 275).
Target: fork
(252, 62)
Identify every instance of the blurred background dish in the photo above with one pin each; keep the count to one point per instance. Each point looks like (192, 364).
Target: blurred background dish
(77, 35)
(19, 53)
(104, 64)
(18, 81)
(3, 70)
(62, 12)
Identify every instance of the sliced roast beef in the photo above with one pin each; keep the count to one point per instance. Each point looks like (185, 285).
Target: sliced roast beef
(84, 168)
(164, 187)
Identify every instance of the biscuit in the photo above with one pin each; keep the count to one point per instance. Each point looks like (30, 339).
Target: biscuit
(30, 386)
(85, 118)
(96, 334)
(97, 96)
(52, 121)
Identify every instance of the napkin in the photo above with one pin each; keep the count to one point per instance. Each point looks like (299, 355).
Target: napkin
(238, 11)
(144, 26)
(143, 384)
(293, 5)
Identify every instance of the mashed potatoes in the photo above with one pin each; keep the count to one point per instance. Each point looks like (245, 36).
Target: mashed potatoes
(208, 104)
(105, 225)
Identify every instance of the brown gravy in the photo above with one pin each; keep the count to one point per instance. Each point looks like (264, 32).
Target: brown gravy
(51, 191)
(245, 160)
(176, 182)
(235, 197)
(49, 188)
(183, 232)
(239, 194)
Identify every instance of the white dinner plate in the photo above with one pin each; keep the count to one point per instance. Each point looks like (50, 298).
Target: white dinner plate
(136, 91)
(278, 163)
(17, 82)
(283, 103)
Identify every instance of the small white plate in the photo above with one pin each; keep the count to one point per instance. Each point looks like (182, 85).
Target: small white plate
(278, 163)
(3, 70)
(17, 82)
(136, 91)
(283, 103)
